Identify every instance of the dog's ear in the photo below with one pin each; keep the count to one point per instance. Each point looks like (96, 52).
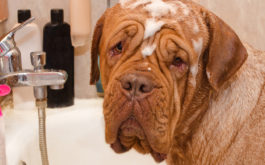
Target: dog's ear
(94, 74)
(225, 51)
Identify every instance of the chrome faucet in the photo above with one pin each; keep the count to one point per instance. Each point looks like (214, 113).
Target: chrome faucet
(11, 72)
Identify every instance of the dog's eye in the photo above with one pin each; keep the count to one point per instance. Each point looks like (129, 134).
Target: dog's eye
(179, 67)
(178, 62)
(117, 49)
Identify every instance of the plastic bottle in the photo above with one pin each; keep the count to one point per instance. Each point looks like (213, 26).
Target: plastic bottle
(28, 39)
(3, 10)
(59, 55)
(80, 21)
(2, 140)
(4, 90)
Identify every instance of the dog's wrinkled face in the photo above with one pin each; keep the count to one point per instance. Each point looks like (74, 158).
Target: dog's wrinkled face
(151, 62)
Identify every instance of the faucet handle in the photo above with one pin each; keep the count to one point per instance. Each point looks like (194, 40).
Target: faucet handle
(7, 41)
(38, 59)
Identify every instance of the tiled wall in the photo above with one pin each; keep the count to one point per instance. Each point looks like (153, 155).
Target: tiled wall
(247, 17)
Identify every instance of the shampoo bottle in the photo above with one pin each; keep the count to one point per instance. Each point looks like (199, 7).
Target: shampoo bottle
(59, 55)
(28, 39)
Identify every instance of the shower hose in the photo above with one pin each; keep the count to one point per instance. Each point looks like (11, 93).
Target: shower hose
(42, 104)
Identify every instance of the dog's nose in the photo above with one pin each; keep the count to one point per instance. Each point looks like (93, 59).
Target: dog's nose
(136, 85)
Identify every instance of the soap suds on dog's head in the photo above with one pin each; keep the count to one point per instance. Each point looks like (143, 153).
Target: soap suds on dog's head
(196, 28)
(184, 8)
(208, 75)
(151, 27)
(159, 8)
(197, 46)
(148, 50)
(138, 3)
(123, 2)
(194, 71)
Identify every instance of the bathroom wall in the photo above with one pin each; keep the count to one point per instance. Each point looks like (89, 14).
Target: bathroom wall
(247, 17)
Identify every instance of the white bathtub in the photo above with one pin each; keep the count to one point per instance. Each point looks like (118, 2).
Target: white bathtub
(75, 136)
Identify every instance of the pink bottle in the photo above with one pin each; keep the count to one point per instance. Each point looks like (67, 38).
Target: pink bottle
(4, 90)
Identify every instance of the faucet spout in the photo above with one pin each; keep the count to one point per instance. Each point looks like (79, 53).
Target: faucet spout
(43, 77)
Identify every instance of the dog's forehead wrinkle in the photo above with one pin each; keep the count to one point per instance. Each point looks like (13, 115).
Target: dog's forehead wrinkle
(145, 64)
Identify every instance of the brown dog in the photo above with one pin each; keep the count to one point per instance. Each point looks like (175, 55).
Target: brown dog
(179, 84)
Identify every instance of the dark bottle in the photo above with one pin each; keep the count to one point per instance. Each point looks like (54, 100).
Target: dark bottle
(60, 55)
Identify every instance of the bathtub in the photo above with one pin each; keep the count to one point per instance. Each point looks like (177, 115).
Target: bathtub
(75, 136)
